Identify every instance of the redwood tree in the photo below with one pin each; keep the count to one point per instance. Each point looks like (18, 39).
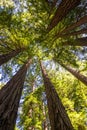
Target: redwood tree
(9, 98)
(59, 119)
(82, 21)
(6, 57)
(82, 31)
(76, 42)
(64, 8)
(76, 73)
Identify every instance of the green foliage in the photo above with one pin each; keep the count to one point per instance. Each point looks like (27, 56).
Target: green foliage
(73, 95)
(16, 128)
(32, 116)
(23, 24)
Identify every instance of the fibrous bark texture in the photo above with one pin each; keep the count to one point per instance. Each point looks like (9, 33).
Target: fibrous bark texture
(58, 117)
(64, 8)
(9, 99)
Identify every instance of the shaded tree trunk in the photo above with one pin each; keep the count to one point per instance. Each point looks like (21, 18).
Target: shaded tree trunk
(6, 57)
(77, 42)
(64, 8)
(83, 20)
(58, 117)
(9, 99)
(82, 31)
(31, 111)
(76, 73)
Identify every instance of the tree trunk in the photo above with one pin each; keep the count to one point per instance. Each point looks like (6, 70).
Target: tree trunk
(9, 99)
(82, 31)
(6, 57)
(58, 117)
(64, 8)
(79, 76)
(77, 42)
(83, 20)
(31, 111)
(45, 121)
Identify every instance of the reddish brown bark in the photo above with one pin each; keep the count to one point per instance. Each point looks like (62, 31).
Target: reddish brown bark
(64, 8)
(79, 76)
(58, 117)
(6, 57)
(9, 99)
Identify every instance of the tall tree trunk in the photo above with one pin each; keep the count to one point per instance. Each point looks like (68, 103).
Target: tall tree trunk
(9, 99)
(45, 121)
(77, 42)
(58, 117)
(6, 57)
(83, 20)
(31, 111)
(82, 31)
(64, 8)
(79, 76)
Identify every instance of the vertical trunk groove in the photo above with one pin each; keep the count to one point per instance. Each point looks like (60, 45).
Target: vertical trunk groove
(64, 8)
(58, 117)
(9, 98)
